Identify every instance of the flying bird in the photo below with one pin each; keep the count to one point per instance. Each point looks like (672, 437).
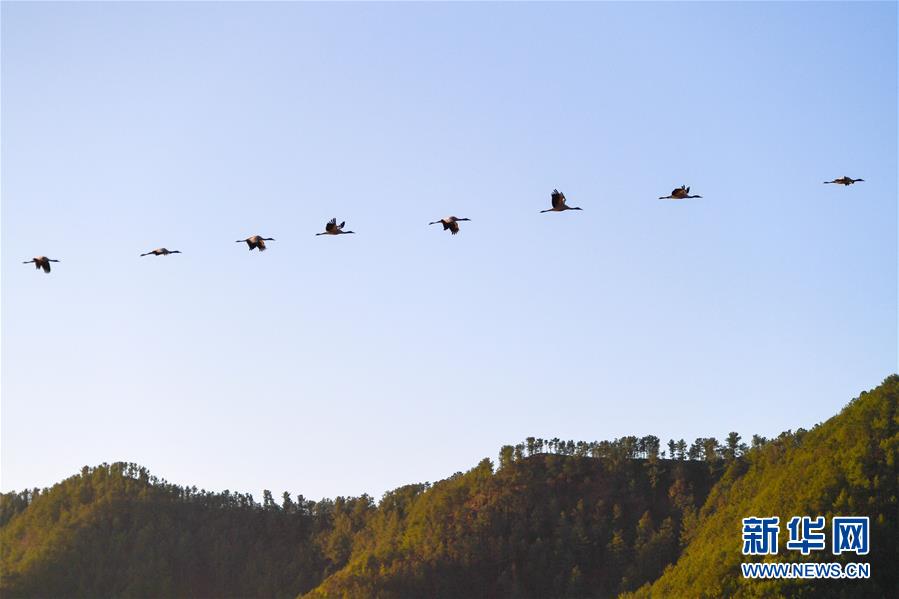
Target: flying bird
(681, 193)
(558, 201)
(161, 252)
(332, 228)
(255, 242)
(41, 262)
(844, 181)
(450, 222)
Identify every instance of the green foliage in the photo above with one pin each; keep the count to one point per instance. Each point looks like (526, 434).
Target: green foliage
(846, 466)
(557, 519)
(545, 525)
(114, 530)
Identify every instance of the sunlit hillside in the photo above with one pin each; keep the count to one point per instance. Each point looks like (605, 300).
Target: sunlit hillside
(550, 519)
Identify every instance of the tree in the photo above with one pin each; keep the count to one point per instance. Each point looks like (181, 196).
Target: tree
(710, 449)
(734, 448)
(651, 447)
(519, 451)
(695, 451)
(629, 446)
(681, 449)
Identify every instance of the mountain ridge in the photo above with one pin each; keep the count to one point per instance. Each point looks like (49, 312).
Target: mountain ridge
(553, 519)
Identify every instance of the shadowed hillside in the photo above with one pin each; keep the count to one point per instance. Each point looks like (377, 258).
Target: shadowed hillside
(117, 531)
(542, 524)
(545, 526)
(844, 467)
(555, 519)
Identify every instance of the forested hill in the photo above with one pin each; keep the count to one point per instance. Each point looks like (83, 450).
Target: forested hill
(115, 531)
(845, 467)
(543, 523)
(554, 519)
(545, 526)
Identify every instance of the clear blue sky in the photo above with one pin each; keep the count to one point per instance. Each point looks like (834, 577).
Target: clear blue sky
(401, 354)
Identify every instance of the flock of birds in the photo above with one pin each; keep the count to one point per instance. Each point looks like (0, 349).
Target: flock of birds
(450, 223)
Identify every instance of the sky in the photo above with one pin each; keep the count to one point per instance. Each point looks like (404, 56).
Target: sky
(342, 365)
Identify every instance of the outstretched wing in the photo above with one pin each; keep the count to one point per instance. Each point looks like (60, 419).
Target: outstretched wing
(45, 264)
(332, 224)
(454, 227)
(261, 245)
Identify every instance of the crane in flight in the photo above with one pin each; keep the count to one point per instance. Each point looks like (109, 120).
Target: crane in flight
(681, 193)
(558, 202)
(844, 181)
(41, 262)
(450, 222)
(161, 252)
(332, 228)
(255, 242)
